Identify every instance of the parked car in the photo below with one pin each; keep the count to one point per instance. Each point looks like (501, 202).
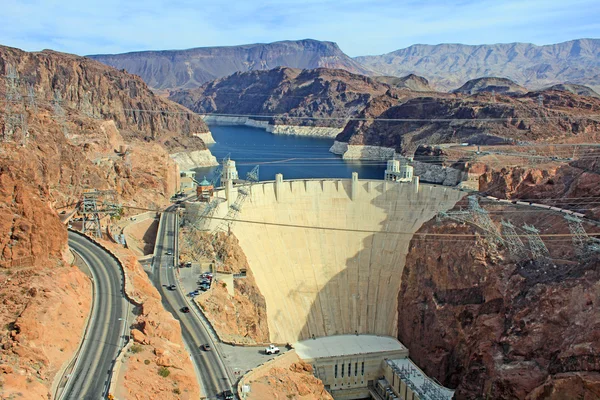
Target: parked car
(169, 253)
(185, 309)
(204, 288)
(171, 287)
(193, 293)
(206, 347)
(188, 264)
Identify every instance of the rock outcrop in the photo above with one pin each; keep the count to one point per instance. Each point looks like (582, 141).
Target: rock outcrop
(178, 69)
(316, 98)
(448, 66)
(491, 85)
(478, 119)
(572, 88)
(241, 318)
(493, 325)
(411, 82)
(93, 89)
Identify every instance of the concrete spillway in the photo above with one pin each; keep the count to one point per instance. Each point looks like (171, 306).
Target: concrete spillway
(325, 282)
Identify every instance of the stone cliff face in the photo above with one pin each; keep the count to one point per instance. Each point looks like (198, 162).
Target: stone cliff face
(565, 186)
(45, 300)
(295, 96)
(493, 326)
(447, 66)
(178, 69)
(91, 88)
(478, 119)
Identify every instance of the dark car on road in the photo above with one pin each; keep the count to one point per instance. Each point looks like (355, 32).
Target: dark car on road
(185, 309)
(227, 395)
(206, 347)
(171, 287)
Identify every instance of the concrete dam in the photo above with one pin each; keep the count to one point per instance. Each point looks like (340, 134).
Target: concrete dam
(344, 280)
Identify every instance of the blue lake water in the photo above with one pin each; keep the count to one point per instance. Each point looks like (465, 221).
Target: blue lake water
(295, 157)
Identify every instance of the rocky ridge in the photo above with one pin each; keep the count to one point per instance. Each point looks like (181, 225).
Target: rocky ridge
(478, 119)
(316, 98)
(186, 69)
(491, 85)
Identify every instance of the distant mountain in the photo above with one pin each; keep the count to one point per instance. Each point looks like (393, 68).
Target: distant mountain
(412, 82)
(491, 85)
(295, 96)
(448, 66)
(178, 69)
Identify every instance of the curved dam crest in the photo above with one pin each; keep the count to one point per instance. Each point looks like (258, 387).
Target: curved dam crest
(322, 282)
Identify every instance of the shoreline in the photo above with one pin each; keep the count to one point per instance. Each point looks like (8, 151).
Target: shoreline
(291, 130)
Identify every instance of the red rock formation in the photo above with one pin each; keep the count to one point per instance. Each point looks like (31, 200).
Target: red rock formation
(495, 327)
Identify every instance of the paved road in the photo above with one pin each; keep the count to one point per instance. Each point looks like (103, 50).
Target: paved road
(211, 369)
(91, 376)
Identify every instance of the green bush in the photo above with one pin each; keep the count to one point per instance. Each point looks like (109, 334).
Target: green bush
(176, 391)
(137, 348)
(164, 372)
(146, 362)
(224, 284)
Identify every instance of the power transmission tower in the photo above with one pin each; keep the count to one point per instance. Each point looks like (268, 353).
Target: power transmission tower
(514, 243)
(31, 98)
(59, 112)
(86, 106)
(236, 207)
(96, 204)
(477, 216)
(583, 243)
(15, 119)
(539, 251)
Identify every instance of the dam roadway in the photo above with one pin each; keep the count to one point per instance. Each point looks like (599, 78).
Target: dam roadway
(104, 337)
(208, 363)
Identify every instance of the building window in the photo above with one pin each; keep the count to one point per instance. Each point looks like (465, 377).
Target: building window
(335, 371)
(355, 368)
(343, 369)
(349, 369)
(363, 369)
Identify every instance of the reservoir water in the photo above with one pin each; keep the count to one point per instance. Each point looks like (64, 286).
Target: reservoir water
(295, 157)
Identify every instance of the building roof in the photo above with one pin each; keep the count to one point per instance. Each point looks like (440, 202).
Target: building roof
(343, 345)
(204, 182)
(425, 387)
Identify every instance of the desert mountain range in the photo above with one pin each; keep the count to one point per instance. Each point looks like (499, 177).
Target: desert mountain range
(445, 66)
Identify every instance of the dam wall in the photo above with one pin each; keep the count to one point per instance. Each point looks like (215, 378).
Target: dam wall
(328, 255)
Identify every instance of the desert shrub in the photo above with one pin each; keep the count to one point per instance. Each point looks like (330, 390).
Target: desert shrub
(164, 372)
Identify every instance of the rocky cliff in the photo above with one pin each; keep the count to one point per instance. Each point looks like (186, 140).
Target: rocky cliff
(175, 69)
(241, 318)
(315, 97)
(93, 89)
(46, 300)
(495, 326)
(447, 66)
(555, 117)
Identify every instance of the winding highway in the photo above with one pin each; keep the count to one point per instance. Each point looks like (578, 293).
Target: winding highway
(104, 337)
(208, 363)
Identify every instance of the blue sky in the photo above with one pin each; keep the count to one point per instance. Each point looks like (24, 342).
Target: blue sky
(359, 27)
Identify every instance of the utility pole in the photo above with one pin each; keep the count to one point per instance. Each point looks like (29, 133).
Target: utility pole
(15, 118)
(93, 208)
